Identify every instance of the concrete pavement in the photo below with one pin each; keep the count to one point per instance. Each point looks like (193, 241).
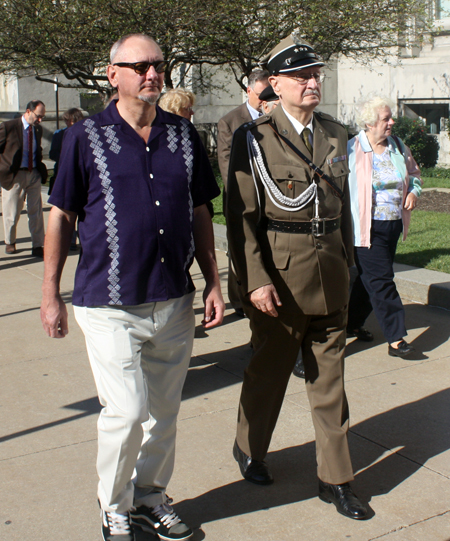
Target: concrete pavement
(399, 434)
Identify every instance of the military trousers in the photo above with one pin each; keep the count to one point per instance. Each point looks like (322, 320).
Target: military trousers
(276, 344)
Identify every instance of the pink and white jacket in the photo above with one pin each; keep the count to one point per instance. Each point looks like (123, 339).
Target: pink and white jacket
(360, 159)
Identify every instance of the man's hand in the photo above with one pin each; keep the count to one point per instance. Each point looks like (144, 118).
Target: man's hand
(411, 201)
(214, 307)
(265, 298)
(54, 316)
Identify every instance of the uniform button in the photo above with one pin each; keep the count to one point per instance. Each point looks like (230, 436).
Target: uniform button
(290, 175)
(318, 246)
(151, 175)
(162, 260)
(161, 231)
(147, 149)
(157, 203)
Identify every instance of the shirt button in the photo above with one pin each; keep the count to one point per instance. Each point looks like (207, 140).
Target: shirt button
(151, 175)
(161, 231)
(147, 149)
(318, 245)
(162, 260)
(157, 203)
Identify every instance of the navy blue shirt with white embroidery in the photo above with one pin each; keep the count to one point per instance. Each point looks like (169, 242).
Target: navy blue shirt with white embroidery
(135, 203)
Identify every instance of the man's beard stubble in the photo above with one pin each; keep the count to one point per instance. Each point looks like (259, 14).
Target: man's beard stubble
(149, 100)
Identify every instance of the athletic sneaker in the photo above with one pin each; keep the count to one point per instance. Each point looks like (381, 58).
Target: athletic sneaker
(161, 520)
(116, 527)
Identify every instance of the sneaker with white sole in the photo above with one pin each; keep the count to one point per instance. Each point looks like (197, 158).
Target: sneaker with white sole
(161, 520)
(116, 527)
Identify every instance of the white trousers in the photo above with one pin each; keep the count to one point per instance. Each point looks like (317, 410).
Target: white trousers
(27, 185)
(139, 357)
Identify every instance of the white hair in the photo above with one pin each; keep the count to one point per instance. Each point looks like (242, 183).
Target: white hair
(369, 110)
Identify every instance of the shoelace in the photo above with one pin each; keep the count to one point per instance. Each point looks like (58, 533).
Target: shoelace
(118, 524)
(166, 514)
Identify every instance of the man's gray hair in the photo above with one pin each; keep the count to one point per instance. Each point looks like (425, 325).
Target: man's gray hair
(256, 77)
(115, 48)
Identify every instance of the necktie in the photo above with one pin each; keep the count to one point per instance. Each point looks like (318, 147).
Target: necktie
(30, 148)
(305, 136)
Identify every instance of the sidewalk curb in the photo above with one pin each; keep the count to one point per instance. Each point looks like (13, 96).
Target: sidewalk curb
(417, 285)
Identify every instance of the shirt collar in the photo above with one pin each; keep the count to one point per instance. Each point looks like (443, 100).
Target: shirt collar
(25, 123)
(253, 112)
(298, 126)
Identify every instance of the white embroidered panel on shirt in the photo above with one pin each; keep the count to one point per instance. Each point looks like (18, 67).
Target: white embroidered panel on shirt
(172, 138)
(188, 155)
(111, 229)
(112, 139)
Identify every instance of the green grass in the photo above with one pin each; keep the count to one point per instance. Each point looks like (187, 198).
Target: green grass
(428, 242)
(435, 182)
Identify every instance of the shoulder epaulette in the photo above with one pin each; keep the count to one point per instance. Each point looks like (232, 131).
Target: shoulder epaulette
(326, 116)
(260, 120)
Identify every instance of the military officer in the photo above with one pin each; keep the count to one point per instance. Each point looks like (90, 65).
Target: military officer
(289, 234)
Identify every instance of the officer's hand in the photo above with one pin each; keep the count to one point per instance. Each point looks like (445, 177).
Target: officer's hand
(411, 201)
(265, 298)
(54, 316)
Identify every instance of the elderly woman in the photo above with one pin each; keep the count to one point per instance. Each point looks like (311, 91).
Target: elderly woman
(178, 101)
(384, 186)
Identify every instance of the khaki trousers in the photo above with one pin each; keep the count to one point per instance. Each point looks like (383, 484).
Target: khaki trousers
(139, 357)
(276, 344)
(27, 186)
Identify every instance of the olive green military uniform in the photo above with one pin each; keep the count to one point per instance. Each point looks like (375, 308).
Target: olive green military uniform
(310, 275)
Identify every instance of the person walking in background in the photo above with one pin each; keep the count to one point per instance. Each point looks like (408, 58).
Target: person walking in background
(384, 186)
(22, 172)
(258, 80)
(178, 101)
(139, 178)
(70, 117)
(290, 238)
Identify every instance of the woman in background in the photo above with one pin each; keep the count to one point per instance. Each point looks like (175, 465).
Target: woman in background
(384, 184)
(178, 101)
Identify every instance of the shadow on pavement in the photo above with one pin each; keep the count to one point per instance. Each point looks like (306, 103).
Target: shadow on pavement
(294, 468)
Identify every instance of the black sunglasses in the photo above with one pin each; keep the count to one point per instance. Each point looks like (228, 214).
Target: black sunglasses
(141, 68)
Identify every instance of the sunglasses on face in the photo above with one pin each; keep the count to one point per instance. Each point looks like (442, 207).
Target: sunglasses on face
(141, 68)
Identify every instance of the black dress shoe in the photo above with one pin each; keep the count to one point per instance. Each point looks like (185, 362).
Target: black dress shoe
(299, 369)
(252, 470)
(401, 350)
(38, 252)
(344, 499)
(361, 334)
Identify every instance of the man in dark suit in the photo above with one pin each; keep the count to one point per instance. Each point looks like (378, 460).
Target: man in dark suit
(21, 174)
(290, 239)
(258, 80)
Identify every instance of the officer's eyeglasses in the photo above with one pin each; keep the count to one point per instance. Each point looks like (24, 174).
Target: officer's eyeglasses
(303, 79)
(141, 68)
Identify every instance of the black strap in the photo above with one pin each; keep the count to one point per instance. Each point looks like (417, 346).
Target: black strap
(316, 169)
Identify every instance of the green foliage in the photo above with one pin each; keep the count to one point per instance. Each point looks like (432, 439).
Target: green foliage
(436, 173)
(427, 245)
(424, 147)
(73, 37)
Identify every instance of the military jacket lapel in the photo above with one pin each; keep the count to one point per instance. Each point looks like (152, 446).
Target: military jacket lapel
(323, 143)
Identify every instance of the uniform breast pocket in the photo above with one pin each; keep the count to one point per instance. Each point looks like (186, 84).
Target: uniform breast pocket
(291, 179)
(338, 169)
